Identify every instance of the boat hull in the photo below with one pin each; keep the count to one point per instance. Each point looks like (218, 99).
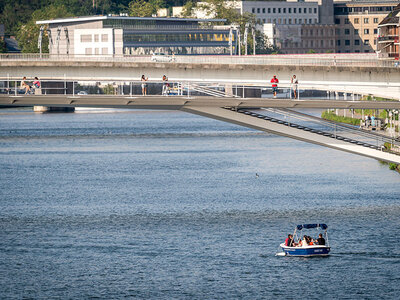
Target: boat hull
(306, 251)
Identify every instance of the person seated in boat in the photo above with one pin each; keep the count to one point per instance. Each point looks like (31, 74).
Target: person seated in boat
(320, 240)
(289, 241)
(304, 242)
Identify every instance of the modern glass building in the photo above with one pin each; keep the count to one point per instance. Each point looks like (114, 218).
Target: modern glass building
(117, 35)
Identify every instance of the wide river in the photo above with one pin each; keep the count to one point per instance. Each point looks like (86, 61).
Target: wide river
(167, 205)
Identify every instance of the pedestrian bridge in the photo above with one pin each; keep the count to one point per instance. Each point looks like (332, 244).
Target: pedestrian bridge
(360, 74)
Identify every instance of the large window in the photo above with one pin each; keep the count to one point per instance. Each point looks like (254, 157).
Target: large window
(175, 37)
(86, 38)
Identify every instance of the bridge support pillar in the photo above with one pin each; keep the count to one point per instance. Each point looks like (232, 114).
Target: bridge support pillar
(337, 95)
(46, 109)
(344, 96)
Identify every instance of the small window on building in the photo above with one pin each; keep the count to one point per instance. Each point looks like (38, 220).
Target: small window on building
(88, 51)
(355, 31)
(337, 31)
(347, 42)
(290, 10)
(253, 10)
(104, 51)
(269, 10)
(331, 43)
(322, 43)
(309, 21)
(375, 31)
(290, 21)
(366, 51)
(346, 21)
(299, 10)
(366, 31)
(294, 10)
(312, 43)
(337, 21)
(269, 20)
(96, 38)
(356, 21)
(338, 42)
(263, 10)
(258, 10)
(284, 10)
(310, 10)
(86, 38)
(104, 38)
(315, 10)
(274, 10)
(366, 20)
(279, 10)
(96, 51)
(347, 31)
(357, 51)
(263, 20)
(284, 21)
(356, 42)
(366, 42)
(311, 32)
(376, 20)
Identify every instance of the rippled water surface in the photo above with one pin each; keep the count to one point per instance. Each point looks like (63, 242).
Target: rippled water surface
(167, 205)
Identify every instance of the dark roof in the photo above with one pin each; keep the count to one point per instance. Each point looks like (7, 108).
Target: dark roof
(392, 18)
(12, 45)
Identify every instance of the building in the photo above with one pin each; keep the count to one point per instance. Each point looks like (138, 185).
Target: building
(357, 24)
(295, 26)
(118, 35)
(389, 35)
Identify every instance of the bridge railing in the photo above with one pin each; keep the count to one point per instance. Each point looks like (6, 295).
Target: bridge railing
(330, 60)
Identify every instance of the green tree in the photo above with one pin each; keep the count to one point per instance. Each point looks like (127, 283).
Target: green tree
(28, 33)
(3, 48)
(220, 9)
(142, 8)
(188, 8)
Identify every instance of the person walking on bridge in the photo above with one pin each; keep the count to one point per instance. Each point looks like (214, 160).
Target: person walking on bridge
(295, 84)
(274, 82)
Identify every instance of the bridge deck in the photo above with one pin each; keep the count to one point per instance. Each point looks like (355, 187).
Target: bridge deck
(179, 102)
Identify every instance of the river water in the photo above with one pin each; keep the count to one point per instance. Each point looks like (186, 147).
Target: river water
(167, 205)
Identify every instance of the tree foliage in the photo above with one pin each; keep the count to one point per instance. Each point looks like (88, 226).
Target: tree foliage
(143, 8)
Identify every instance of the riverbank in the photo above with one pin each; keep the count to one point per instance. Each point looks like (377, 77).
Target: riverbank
(331, 116)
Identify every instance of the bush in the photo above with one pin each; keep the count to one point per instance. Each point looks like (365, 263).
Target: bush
(327, 115)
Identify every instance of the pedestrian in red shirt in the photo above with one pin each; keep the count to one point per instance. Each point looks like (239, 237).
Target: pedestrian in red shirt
(274, 82)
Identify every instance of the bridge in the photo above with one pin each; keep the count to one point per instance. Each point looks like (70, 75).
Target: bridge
(366, 75)
(358, 73)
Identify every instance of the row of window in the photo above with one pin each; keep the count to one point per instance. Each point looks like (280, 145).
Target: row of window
(366, 9)
(311, 43)
(181, 37)
(356, 42)
(289, 21)
(89, 51)
(313, 32)
(356, 31)
(356, 21)
(88, 38)
(283, 10)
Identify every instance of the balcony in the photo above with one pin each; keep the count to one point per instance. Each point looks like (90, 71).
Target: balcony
(388, 38)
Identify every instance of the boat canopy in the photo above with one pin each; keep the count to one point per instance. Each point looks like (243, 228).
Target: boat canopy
(309, 226)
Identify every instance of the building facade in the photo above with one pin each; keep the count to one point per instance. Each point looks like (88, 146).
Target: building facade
(357, 24)
(118, 35)
(389, 35)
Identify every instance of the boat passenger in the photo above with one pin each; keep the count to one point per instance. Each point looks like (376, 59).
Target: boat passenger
(289, 241)
(304, 242)
(320, 240)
